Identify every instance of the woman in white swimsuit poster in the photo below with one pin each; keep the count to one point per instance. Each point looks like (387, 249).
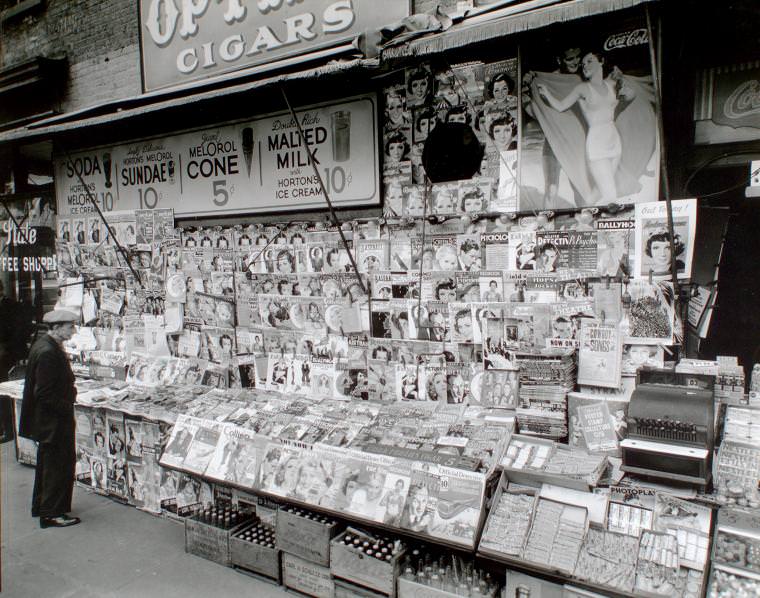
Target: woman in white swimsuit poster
(598, 97)
(597, 122)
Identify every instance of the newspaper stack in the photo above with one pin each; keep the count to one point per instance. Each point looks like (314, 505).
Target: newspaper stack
(545, 380)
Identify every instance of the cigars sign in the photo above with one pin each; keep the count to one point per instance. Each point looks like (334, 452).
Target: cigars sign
(186, 40)
(253, 166)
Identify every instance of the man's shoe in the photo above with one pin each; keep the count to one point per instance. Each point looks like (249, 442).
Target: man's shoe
(60, 521)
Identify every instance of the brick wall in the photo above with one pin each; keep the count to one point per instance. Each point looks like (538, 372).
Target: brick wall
(99, 37)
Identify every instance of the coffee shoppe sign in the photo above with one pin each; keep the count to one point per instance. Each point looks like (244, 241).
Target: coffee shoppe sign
(254, 166)
(186, 40)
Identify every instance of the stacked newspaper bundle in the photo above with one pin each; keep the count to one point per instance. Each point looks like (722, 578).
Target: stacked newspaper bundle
(545, 380)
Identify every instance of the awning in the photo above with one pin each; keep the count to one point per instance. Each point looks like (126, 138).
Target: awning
(512, 19)
(44, 129)
(482, 25)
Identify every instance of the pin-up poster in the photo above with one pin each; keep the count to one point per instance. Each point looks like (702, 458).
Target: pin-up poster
(589, 134)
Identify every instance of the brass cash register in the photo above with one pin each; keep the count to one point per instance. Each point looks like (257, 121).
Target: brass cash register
(671, 427)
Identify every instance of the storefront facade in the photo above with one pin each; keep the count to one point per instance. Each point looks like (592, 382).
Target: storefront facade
(505, 212)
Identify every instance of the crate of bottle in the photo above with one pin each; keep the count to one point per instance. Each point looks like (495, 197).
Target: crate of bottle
(372, 561)
(252, 547)
(207, 533)
(305, 534)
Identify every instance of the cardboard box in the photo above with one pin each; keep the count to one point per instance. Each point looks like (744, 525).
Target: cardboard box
(307, 578)
(304, 537)
(358, 568)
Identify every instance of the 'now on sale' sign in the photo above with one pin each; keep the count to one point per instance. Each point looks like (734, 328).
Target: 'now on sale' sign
(260, 165)
(186, 40)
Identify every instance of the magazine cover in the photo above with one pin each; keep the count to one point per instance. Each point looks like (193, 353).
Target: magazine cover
(202, 446)
(495, 251)
(575, 157)
(235, 458)
(422, 500)
(653, 243)
(179, 442)
(652, 315)
(500, 337)
(84, 446)
(638, 356)
(446, 253)
(566, 250)
(475, 195)
(495, 388)
(522, 250)
(459, 377)
(98, 473)
(401, 253)
(414, 201)
(143, 229)
(599, 355)
(381, 385)
(151, 483)
(462, 323)
(168, 489)
(247, 371)
(584, 408)
(379, 490)
(133, 429)
(456, 516)
(469, 252)
(411, 383)
(445, 199)
(436, 383)
(615, 246)
(116, 477)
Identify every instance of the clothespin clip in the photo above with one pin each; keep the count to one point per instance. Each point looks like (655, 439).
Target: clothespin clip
(651, 274)
(603, 314)
(607, 282)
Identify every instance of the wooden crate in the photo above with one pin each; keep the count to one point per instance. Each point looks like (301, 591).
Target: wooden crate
(412, 589)
(208, 541)
(306, 538)
(354, 566)
(254, 557)
(306, 577)
(343, 589)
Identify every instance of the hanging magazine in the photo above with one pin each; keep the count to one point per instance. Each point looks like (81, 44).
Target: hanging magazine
(599, 358)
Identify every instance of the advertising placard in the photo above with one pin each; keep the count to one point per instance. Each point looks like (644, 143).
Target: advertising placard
(259, 165)
(184, 41)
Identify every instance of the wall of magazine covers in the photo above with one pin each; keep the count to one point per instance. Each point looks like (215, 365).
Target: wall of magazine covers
(510, 295)
(462, 293)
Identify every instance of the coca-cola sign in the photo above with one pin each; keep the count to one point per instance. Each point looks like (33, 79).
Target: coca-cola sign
(626, 39)
(744, 101)
(736, 97)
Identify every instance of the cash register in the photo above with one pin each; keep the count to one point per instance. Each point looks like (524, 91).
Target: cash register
(671, 427)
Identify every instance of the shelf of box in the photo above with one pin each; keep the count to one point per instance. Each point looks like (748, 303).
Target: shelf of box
(348, 517)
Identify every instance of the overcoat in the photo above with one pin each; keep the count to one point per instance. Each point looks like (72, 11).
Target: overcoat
(47, 409)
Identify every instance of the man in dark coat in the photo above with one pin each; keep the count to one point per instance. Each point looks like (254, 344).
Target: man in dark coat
(47, 416)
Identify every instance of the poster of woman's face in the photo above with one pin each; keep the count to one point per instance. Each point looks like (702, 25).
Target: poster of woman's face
(589, 123)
